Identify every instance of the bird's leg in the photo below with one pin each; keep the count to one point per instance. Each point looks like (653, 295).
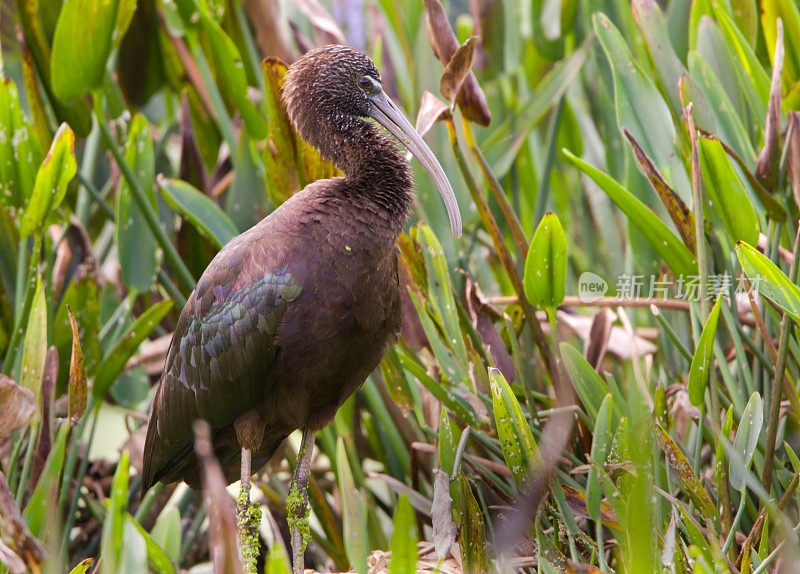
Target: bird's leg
(297, 502)
(249, 432)
(249, 517)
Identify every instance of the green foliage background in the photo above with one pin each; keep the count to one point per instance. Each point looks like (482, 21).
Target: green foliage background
(661, 138)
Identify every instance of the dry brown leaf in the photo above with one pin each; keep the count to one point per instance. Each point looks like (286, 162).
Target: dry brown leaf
(431, 110)
(444, 529)
(456, 70)
(681, 215)
(77, 375)
(326, 31)
(597, 343)
(619, 342)
(471, 99)
(483, 324)
(767, 165)
(794, 154)
(47, 397)
(17, 405)
(15, 528)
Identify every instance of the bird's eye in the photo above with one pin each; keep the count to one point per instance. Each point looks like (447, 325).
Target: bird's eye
(365, 84)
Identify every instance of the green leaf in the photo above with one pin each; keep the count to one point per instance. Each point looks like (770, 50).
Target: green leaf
(746, 441)
(232, 77)
(40, 514)
(516, 439)
(440, 291)
(280, 158)
(200, 210)
(167, 533)
(114, 362)
(726, 194)
(589, 385)
(601, 442)
(460, 407)
(404, 538)
(114, 525)
(20, 152)
(447, 443)
(789, 13)
(247, 201)
(546, 264)
(35, 350)
(155, 552)
(133, 557)
(82, 567)
(137, 248)
(55, 173)
(701, 361)
(639, 106)
(472, 534)
(768, 280)
(82, 42)
(354, 513)
(691, 484)
(658, 235)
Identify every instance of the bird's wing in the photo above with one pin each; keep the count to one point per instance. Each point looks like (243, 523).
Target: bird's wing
(218, 365)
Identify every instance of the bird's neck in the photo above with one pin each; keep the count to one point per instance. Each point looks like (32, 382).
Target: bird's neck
(377, 176)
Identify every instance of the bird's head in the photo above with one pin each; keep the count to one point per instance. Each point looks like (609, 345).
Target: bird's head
(333, 88)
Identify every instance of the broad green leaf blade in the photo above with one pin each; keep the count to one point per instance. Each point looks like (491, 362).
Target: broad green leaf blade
(726, 194)
(473, 536)
(404, 538)
(232, 77)
(589, 385)
(114, 526)
(40, 513)
(354, 513)
(701, 362)
(55, 173)
(546, 264)
(82, 567)
(658, 235)
(114, 362)
(601, 442)
(133, 558)
(746, 441)
(167, 533)
(20, 152)
(154, 552)
(639, 106)
(440, 291)
(35, 350)
(768, 280)
(137, 248)
(200, 210)
(516, 439)
(691, 484)
(81, 46)
(447, 443)
(789, 13)
(280, 157)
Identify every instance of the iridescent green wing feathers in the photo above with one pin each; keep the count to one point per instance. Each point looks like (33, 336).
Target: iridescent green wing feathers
(220, 361)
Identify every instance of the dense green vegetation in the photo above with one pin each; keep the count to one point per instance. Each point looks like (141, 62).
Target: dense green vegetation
(594, 377)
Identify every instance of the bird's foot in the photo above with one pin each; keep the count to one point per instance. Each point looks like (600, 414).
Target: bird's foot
(248, 518)
(298, 512)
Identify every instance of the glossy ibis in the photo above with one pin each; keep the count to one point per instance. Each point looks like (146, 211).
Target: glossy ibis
(291, 316)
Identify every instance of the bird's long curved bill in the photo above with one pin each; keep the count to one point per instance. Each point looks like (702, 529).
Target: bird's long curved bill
(386, 113)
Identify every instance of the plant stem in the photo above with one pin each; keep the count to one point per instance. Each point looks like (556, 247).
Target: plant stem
(505, 258)
(497, 191)
(184, 276)
(777, 384)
